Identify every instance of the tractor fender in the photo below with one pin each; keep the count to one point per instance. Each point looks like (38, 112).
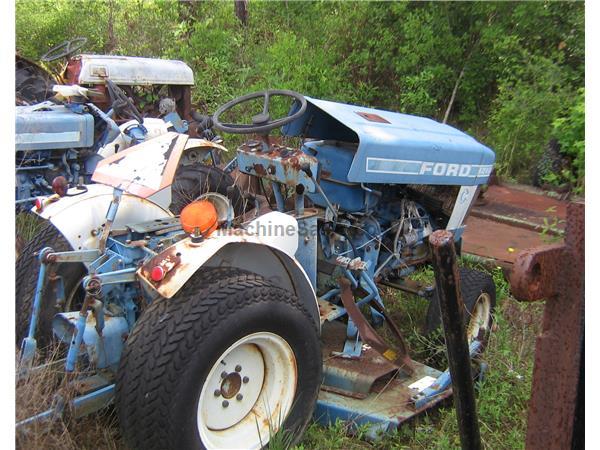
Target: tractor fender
(155, 127)
(269, 256)
(79, 217)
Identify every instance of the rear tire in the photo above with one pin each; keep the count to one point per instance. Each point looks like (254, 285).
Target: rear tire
(550, 162)
(479, 297)
(174, 359)
(26, 275)
(194, 180)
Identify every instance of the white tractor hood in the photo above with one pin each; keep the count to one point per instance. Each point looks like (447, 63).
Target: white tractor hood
(133, 70)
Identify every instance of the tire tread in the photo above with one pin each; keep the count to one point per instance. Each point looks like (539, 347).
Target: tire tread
(472, 284)
(27, 270)
(159, 348)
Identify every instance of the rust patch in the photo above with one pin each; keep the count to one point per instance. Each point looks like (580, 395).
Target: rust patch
(259, 169)
(293, 163)
(168, 260)
(397, 356)
(325, 308)
(231, 385)
(372, 117)
(536, 272)
(364, 372)
(139, 243)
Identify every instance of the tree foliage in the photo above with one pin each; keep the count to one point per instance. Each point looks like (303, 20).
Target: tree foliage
(515, 67)
(570, 132)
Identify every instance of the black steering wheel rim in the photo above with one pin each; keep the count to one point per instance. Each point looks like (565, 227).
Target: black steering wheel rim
(67, 48)
(262, 122)
(121, 103)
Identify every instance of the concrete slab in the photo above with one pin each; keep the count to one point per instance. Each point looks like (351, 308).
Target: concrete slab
(511, 220)
(525, 207)
(490, 239)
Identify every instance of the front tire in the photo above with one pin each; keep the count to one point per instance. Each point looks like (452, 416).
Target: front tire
(479, 297)
(229, 331)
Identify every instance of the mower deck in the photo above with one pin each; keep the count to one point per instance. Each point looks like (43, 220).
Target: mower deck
(368, 390)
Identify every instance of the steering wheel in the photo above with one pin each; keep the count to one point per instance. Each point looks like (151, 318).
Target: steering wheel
(65, 49)
(262, 122)
(121, 103)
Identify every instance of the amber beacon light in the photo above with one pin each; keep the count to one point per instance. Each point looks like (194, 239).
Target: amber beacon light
(199, 218)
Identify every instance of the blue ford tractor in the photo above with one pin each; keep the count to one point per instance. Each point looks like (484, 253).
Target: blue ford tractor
(216, 329)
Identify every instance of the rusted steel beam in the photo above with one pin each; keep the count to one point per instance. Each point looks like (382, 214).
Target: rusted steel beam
(459, 362)
(557, 274)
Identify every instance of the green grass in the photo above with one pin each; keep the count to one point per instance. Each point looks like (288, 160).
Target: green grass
(501, 398)
(27, 225)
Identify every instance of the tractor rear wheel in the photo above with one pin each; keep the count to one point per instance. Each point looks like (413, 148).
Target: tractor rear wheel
(26, 274)
(226, 363)
(194, 180)
(479, 297)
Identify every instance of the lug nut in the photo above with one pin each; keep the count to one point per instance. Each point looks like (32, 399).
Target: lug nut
(239, 397)
(223, 374)
(238, 368)
(225, 403)
(245, 379)
(217, 392)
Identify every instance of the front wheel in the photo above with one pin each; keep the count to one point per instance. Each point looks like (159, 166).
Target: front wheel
(479, 297)
(226, 363)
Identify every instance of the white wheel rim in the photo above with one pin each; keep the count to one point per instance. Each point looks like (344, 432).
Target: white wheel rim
(257, 378)
(480, 317)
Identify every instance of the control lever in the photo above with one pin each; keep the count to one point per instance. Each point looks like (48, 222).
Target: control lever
(305, 167)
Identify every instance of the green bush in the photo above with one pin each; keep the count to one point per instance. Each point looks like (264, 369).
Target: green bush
(520, 122)
(570, 132)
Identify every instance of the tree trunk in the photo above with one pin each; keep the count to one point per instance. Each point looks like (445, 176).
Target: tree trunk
(111, 42)
(241, 11)
(451, 102)
(474, 48)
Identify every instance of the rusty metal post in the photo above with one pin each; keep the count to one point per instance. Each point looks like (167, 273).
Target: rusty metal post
(447, 281)
(556, 273)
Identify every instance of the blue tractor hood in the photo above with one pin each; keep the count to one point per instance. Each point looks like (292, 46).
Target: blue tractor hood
(396, 148)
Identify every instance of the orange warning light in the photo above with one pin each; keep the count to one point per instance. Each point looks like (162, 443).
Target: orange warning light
(199, 218)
